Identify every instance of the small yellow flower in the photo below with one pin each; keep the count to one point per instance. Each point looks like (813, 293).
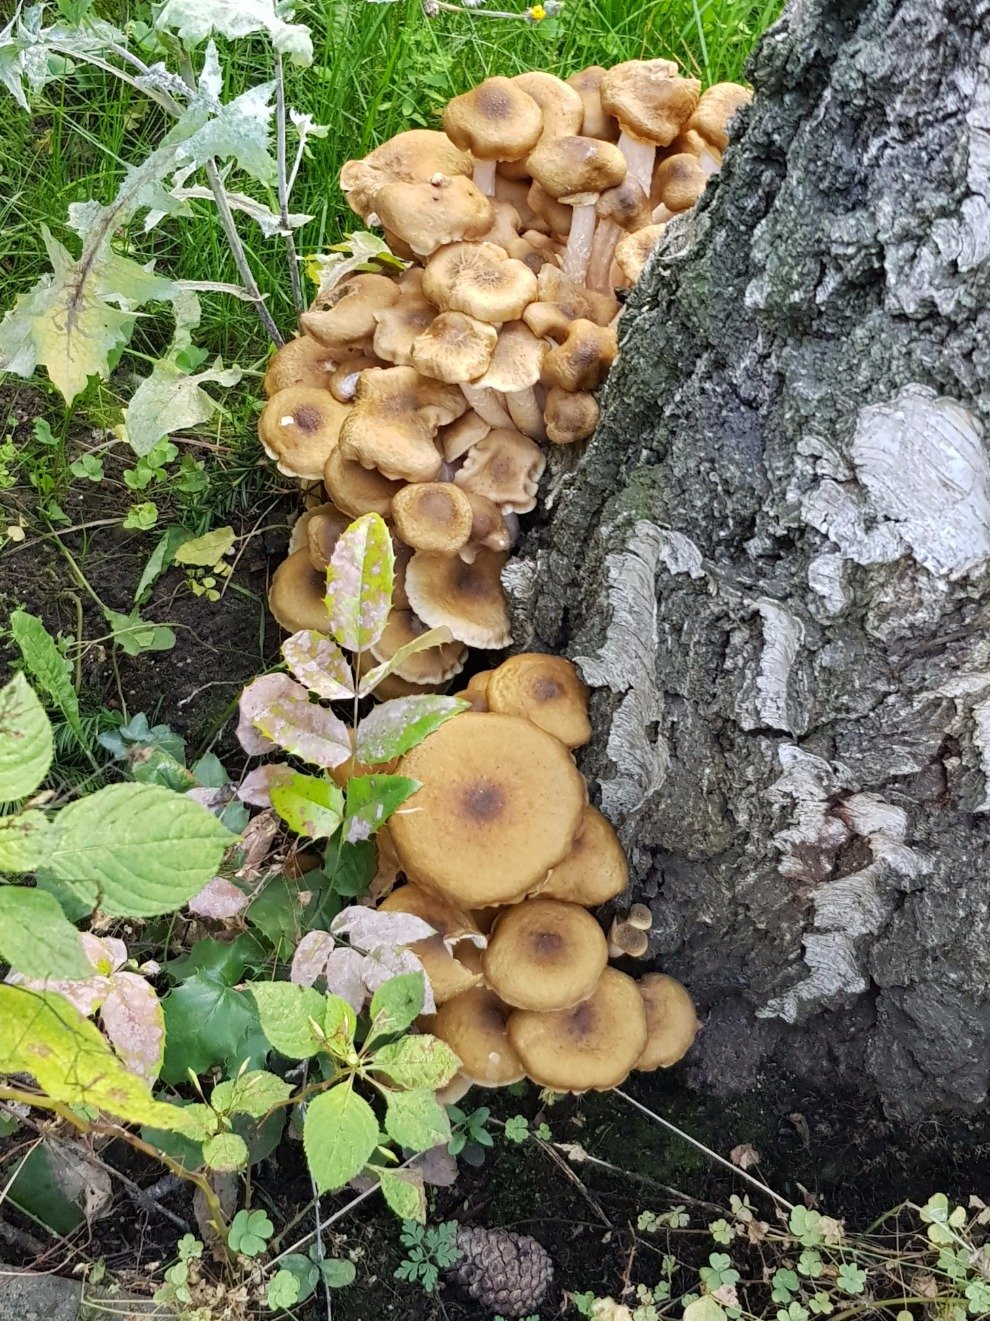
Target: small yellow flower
(312, 268)
(537, 13)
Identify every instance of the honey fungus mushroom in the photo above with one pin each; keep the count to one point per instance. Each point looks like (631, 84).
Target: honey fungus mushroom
(411, 157)
(391, 425)
(299, 428)
(297, 592)
(495, 121)
(546, 690)
(671, 1022)
(300, 361)
(433, 516)
(431, 665)
(652, 105)
(481, 280)
(473, 1024)
(506, 467)
(346, 325)
(454, 348)
(426, 216)
(447, 975)
(449, 592)
(544, 954)
(500, 804)
(595, 870)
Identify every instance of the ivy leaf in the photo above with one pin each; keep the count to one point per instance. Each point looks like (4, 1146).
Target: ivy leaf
(420, 1061)
(416, 1119)
(397, 1003)
(36, 938)
(25, 740)
(48, 667)
(359, 582)
(318, 662)
(23, 841)
(225, 1153)
(404, 1192)
(133, 1019)
(137, 850)
(340, 1133)
(280, 708)
(195, 20)
(208, 1023)
(287, 1013)
(254, 1093)
(434, 637)
(396, 726)
(371, 800)
(308, 805)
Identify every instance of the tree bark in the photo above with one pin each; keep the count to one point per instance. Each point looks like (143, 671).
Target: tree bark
(771, 564)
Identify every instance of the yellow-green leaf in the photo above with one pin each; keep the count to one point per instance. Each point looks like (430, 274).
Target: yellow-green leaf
(25, 740)
(359, 583)
(339, 1135)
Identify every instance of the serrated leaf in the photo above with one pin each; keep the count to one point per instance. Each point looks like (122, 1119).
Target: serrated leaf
(168, 401)
(23, 841)
(359, 582)
(371, 800)
(225, 1152)
(396, 726)
(339, 1026)
(308, 805)
(254, 1093)
(36, 938)
(280, 709)
(434, 637)
(340, 1133)
(48, 667)
(208, 1023)
(133, 1019)
(287, 1013)
(137, 850)
(316, 661)
(238, 130)
(25, 740)
(404, 1192)
(416, 1119)
(417, 1061)
(194, 21)
(397, 1003)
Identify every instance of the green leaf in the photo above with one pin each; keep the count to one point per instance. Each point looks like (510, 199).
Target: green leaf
(287, 1014)
(278, 914)
(25, 740)
(404, 1192)
(249, 1233)
(48, 668)
(225, 1152)
(416, 1119)
(159, 560)
(285, 1288)
(168, 401)
(207, 550)
(208, 1024)
(222, 960)
(137, 850)
(434, 637)
(195, 20)
(371, 800)
(340, 1133)
(420, 1061)
(338, 1272)
(359, 583)
(35, 937)
(397, 1003)
(23, 841)
(280, 709)
(396, 726)
(339, 1026)
(134, 635)
(140, 517)
(309, 805)
(253, 1093)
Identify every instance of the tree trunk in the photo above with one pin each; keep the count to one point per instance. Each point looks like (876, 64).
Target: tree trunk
(771, 564)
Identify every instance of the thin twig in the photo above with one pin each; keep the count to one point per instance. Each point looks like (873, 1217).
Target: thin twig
(283, 185)
(239, 254)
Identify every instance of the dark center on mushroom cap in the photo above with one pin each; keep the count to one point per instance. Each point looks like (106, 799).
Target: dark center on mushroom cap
(548, 944)
(583, 1019)
(483, 801)
(471, 582)
(437, 505)
(493, 102)
(546, 689)
(308, 418)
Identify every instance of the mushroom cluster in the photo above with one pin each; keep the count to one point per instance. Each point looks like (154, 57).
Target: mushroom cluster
(430, 396)
(503, 856)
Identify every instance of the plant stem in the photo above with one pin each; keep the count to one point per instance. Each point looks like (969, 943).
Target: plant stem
(239, 254)
(283, 186)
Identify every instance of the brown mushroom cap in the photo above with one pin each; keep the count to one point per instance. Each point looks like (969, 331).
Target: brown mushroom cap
(395, 415)
(544, 954)
(464, 432)
(671, 1022)
(346, 326)
(679, 181)
(505, 226)
(594, 871)
(299, 535)
(474, 692)
(561, 301)
(466, 598)
(300, 361)
(626, 940)
(634, 250)
(546, 690)
(409, 157)
(563, 111)
(495, 121)
(473, 1026)
(500, 803)
(432, 665)
(433, 516)
(627, 205)
(516, 193)
(447, 975)
(576, 169)
(506, 467)
(454, 348)
(481, 280)
(489, 528)
(358, 490)
(596, 123)
(589, 1047)
(429, 215)
(324, 526)
(649, 100)
(299, 428)
(344, 380)
(296, 595)
(516, 361)
(570, 415)
(555, 215)
(397, 326)
(583, 359)
(716, 107)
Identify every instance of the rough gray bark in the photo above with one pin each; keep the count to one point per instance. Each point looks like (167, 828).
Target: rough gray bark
(772, 565)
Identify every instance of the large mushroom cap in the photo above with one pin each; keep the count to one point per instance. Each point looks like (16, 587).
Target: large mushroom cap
(448, 976)
(516, 360)
(467, 598)
(358, 490)
(545, 954)
(546, 690)
(454, 348)
(595, 870)
(411, 157)
(569, 168)
(649, 100)
(300, 361)
(395, 415)
(433, 516)
(296, 596)
(346, 326)
(506, 467)
(562, 107)
(299, 428)
(481, 280)
(496, 121)
(473, 1026)
(397, 326)
(428, 215)
(589, 1047)
(634, 250)
(500, 804)
(671, 1022)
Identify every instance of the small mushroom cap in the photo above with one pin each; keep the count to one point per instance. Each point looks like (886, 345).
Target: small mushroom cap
(516, 361)
(671, 1022)
(495, 121)
(475, 692)
(346, 326)
(300, 361)
(296, 594)
(589, 1047)
(428, 215)
(447, 975)
(432, 665)
(649, 100)
(595, 870)
(397, 327)
(454, 348)
(298, 537)
(570, 415)
(299, 428)
(489, 528)
(545, 954)
(500, 803)
(481, 280)
(516, 193)
(640, 917)
(324, 526)
(433, 516)
(344, 380)
(679, 180)
(466, 598)
(715, 109)
(627, 205)
(534, 250)
(546, 690)
(466, 431)
(561, 301)
(395, 415)
(572, 167)
(597, 123)
(555, 215)
(506, 467)
(625, 940)
(583, 360)
(505, 226)
(410, 157)
(634, 250)
(473, 1025)
(358, 490)
(563, 111)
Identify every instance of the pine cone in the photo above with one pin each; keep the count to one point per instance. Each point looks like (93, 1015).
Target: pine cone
(509, 1274)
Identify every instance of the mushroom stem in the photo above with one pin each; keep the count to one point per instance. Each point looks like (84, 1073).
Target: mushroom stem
(603, 244)
(526, 414)
(639, 158)
(484, 177)
(579, 242)
(487, 404)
